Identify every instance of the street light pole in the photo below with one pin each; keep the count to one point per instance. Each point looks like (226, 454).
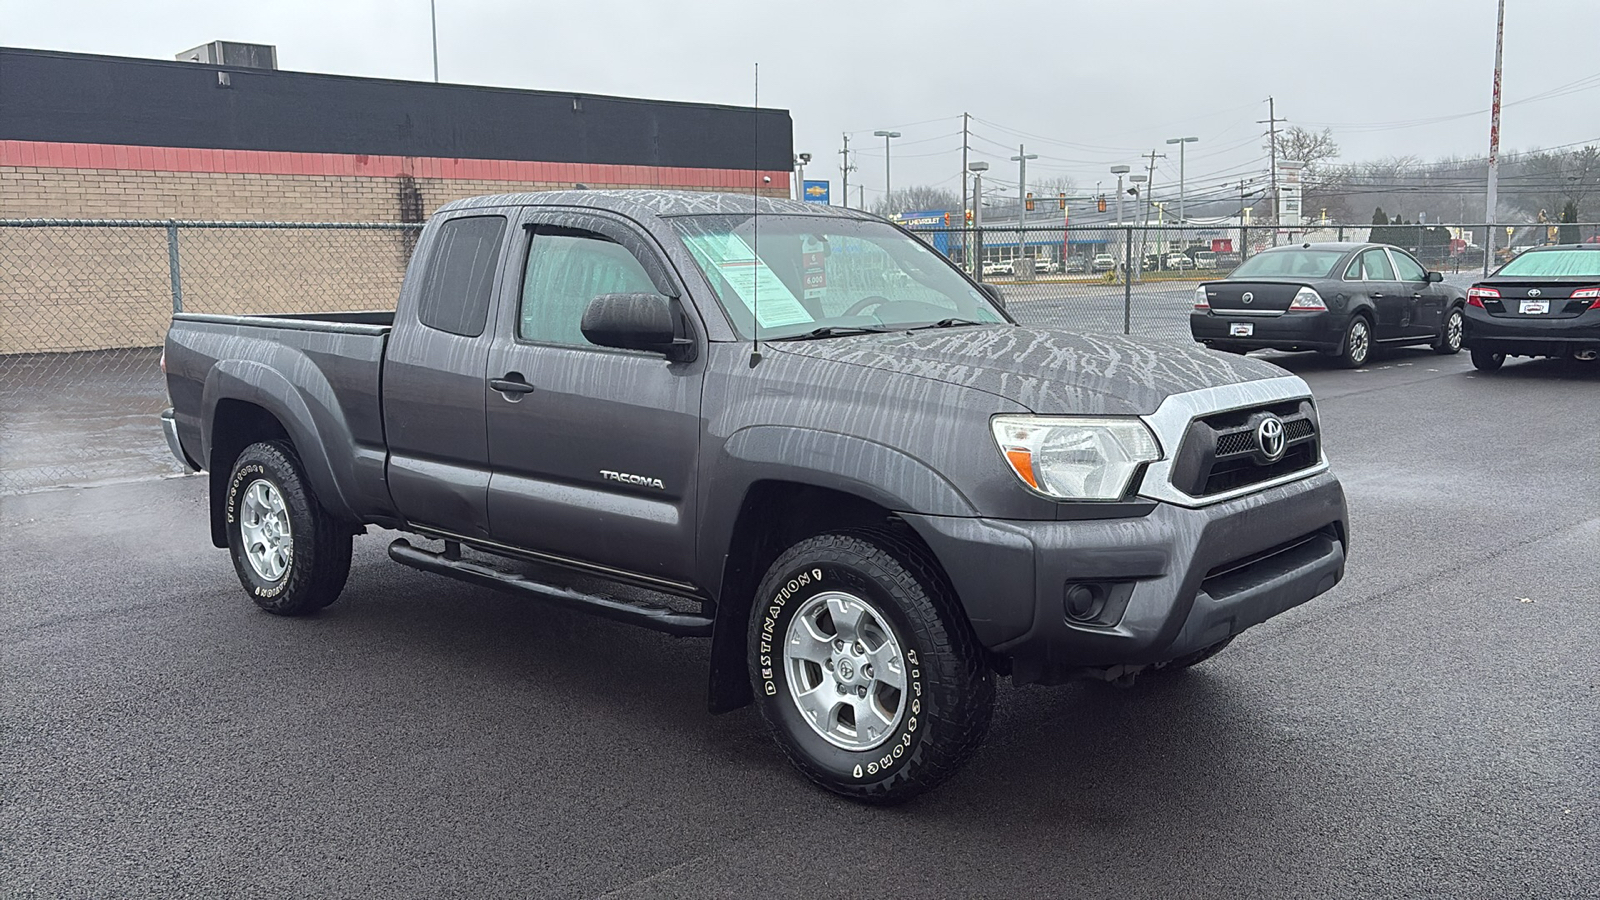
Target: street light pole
(1119, 171)
(1180, 141)
(800, 161)
(433, 20)
(975, 255)
(887, 136)
(1021, 159)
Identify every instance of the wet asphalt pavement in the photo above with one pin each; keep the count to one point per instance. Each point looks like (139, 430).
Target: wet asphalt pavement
(1427, 729)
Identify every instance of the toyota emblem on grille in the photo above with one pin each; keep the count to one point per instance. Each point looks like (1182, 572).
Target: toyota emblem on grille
(1533, 292)
(1272, 438)
(1248, 297)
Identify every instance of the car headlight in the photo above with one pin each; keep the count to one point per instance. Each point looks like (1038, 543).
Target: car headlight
(1071, 458)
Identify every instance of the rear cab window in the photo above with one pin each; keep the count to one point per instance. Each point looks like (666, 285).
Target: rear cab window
(459, 284)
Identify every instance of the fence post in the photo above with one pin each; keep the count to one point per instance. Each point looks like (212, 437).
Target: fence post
(1127, 281)
(173, 273)
(1341, 234)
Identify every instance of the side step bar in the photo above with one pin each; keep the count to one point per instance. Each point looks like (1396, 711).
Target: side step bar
(449, 563)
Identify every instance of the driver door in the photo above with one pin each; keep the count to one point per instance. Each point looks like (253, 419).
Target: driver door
(593, 451)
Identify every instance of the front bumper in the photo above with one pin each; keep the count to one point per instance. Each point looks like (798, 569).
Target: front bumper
(1529, 335)
(1290, 331)
(1174, 580)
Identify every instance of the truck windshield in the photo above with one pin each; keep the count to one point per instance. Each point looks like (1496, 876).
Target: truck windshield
(1297, 263)
(1554, 264)
(820, 275)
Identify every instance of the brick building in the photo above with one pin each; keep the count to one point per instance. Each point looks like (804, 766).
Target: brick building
(98, 137)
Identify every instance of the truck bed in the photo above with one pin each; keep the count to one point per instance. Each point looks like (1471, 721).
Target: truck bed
(318, 374)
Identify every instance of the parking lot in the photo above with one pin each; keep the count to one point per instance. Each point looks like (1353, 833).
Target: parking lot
(1427, 729)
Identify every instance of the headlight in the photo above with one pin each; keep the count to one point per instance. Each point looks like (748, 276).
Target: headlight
(1071, 458)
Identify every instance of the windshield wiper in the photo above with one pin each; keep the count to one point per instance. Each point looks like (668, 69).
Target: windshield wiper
(948, 323)
(828, 331)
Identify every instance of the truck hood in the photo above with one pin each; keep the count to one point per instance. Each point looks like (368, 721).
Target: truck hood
(1050, 371)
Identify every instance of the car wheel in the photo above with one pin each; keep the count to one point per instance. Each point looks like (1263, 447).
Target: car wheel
(1357, 343)
(291, 556)
(1486, 361)
(865, 668)
(1450, 337)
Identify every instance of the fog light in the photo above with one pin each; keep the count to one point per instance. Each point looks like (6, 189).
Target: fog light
(1085, 602)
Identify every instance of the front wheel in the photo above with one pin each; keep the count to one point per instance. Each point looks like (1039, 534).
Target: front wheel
(291, 556)
(865, 668)
(1486, 361)
(1449, 341)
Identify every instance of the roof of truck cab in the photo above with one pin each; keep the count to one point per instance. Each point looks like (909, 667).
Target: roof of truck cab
(644, 203)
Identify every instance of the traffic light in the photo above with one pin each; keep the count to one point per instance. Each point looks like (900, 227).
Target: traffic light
(1102, 203)
(1029, 203)
(969, 217)
(947, 220)
(1062, 200)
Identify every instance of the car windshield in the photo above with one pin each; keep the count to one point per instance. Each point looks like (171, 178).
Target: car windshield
(1554, 264)
(821, 275)
(1297, 263)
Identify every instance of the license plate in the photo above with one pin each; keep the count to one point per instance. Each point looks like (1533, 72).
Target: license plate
(1534, 307)
(1241, 329)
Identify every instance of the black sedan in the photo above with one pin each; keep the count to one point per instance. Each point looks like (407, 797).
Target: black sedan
(1339, 299)
(1546, 302)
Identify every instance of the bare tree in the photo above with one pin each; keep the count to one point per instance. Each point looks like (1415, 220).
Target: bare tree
(1052, 185)
(1320, 181)
(918, 198)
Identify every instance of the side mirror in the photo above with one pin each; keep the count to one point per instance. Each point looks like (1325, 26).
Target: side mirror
(1434, 277)
(636, 322)
(993, 293)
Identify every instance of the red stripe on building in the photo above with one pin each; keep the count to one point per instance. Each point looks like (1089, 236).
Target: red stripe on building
(119, 157)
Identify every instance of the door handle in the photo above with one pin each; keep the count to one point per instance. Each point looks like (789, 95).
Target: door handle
(1377, 293)
(509, 385)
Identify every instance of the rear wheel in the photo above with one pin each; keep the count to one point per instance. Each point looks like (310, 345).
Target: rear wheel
(1487, 361)
(1357, 343)
(1449, 341)
(866, 670)
(291, 556)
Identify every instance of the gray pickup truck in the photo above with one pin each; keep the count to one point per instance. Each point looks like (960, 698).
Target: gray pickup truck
(793, 429)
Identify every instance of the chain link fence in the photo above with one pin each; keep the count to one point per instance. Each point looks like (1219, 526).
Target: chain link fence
(84, 305)
(84, 308)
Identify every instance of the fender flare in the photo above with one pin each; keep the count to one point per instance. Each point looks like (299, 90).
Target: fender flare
(264, 386)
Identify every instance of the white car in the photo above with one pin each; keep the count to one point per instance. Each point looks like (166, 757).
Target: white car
(1205, 259)
(1104, 262)
(1179, 261)
(1045, 265)
(991, 267)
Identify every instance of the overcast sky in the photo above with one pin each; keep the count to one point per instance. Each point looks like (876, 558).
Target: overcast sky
(1085, 85)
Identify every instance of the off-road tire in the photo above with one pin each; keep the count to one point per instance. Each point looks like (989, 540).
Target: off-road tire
(1356, 350)
(1487, 361)
(319, 561)
(1449, 342)
(949, 690)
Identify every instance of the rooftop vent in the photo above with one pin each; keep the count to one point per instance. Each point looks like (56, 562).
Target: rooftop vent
(232, 53)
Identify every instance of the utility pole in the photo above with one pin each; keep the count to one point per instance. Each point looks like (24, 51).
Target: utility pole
(846, 169)
(1271, 121)
(1150, 199)
(965, 197)
(1490, 201)
(1021, 159)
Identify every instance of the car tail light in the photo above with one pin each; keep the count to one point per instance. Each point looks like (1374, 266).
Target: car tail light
(1307, 300)
(1588, 294)
(1476, 296)
(1200, 301)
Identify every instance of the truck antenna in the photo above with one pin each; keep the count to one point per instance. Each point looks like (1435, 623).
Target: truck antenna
(755, 228)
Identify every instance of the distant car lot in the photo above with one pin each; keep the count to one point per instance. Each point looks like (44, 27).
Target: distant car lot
(425, 738)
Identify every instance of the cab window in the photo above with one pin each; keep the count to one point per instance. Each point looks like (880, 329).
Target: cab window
(567, 268)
